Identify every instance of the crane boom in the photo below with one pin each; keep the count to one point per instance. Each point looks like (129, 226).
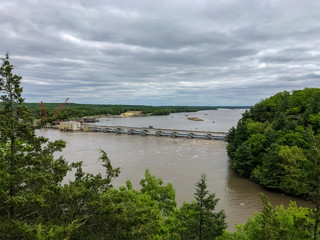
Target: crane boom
(60, 107)
(43, 112)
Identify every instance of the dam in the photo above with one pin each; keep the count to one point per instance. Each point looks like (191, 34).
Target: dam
(150, 131)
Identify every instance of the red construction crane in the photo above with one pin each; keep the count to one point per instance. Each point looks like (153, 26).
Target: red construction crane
(60, 107)
(43, 112)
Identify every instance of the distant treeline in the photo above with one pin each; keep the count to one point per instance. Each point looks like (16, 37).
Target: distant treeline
(74, 110)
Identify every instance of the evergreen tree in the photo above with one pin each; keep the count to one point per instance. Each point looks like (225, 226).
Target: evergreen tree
(210, 224)
(313, 178)
(30, 177)
(197, 220)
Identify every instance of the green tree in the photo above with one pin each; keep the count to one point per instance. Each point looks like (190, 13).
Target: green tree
(197, 220)
(30, 177)
(275, 223)
(164, 195)
(315, 121)
(280, 121)
(210, 224)
(279, 157)
(292, 162)
(120, 214)
(187, 221)
(270, 173)
(244, 160)
(313, 178)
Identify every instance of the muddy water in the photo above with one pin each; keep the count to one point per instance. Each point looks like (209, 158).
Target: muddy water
(214, 120)
(179, 161)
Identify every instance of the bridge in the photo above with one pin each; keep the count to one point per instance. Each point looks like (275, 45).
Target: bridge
(175, 133)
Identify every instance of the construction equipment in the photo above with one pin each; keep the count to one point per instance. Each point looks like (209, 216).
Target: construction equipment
(43, 112)
(60, 107)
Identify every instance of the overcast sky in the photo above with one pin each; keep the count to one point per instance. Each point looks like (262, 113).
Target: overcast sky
(168, 52)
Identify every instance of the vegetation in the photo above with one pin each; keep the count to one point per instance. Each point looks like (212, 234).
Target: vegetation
(275, 223)
(277, 143)
(73, 110)
(196, 220)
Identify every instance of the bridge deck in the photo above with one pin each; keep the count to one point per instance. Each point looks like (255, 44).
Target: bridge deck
(144, 131)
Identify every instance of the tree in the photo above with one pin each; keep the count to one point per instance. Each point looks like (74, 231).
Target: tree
(270, 173)
(197, 220)
(30, 177)
(164, 195)
(210, 224)
(313, 178)
(292, 160)
(11, 94)
(279, 157)
(120, 214)
(315, 121)
(275, 223)
(243, 160)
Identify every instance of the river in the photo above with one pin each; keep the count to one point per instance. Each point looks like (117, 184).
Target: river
(176, 160)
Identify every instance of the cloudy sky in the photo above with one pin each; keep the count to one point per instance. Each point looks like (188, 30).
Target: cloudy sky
(181, 52)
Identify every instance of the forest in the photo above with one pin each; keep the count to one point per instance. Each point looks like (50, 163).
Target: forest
(76, 110)
(36, 203)
(276, 143)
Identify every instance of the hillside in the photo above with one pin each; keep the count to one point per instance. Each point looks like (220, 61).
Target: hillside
(276, 143)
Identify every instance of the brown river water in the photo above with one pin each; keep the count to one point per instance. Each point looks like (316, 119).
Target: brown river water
(176, 160)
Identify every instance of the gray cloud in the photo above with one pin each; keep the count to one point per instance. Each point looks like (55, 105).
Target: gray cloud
(161, 53)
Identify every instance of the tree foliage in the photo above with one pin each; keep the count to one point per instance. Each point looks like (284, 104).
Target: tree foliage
(165, 196)
(276, 143)
(197, 220)
(30, 177)
(275, 223)
(271, 143)
(75, 110)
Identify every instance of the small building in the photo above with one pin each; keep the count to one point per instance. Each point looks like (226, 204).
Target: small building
(70, 126)
(89, 120)
(86, 128)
